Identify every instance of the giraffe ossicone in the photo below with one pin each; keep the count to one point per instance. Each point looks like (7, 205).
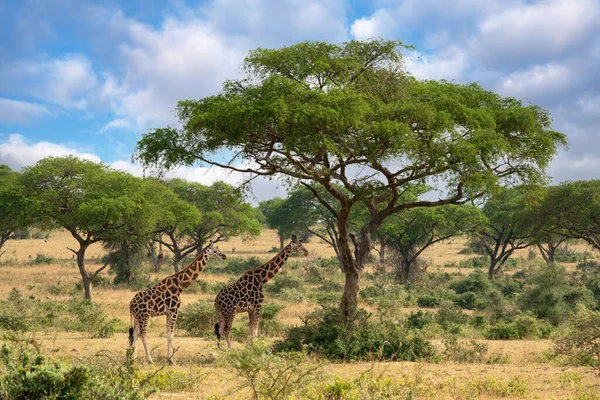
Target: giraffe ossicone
(164, 299)
(246, 294)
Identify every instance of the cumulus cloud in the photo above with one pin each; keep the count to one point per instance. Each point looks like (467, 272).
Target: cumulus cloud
(539, 80)
(67, 81)
(379, 24)
(450, 64)
(21, 112)
(17, 152)
(534, 32)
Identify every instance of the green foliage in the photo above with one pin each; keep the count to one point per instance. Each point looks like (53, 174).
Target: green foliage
(551, 296)
(580, 340)
(490, 386)
(471, 352)
(29, 374)
(198, 318)
(284, 281)
(91, 318)
(42, 259)
(450, 317)
(503, 331)
(237, 266)
(330, 335)
(272, 376)
(269, 323)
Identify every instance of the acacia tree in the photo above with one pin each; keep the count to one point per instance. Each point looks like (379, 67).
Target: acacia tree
(18, 209)
(349, 115)
(572, 210)
(502, 233)
(410, 232)
(91, 201)
(222, 214)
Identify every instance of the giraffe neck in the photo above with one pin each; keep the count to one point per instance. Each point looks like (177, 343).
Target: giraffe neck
(274, 265)
(190, 273)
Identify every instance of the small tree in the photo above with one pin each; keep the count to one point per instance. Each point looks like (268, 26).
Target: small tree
(411, 232)
(18, 209)
(580, 340)
(223, 213)
(501, 234)
(572, 210)
(91, 201)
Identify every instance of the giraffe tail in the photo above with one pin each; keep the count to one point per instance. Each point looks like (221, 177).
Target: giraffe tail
(131, 329)
(217, 331)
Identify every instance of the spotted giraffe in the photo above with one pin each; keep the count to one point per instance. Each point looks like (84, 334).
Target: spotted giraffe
(163, 299)
(246, 294)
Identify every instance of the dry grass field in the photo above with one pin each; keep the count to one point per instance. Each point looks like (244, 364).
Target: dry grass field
(543, 379)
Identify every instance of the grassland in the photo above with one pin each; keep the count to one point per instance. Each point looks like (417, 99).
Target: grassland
(197, 357)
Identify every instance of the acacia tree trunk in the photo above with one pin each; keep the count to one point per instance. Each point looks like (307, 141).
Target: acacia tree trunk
(382, 249)
(281, 244)
(85, 276)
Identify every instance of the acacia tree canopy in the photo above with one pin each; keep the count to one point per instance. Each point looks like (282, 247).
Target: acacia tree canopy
(18, 209)
(91, 201)
(349, 115)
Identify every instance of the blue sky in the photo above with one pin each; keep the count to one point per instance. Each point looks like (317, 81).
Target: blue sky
(88, 78)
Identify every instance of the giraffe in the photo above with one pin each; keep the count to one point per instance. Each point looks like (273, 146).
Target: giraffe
(163, 299)
(246, 295)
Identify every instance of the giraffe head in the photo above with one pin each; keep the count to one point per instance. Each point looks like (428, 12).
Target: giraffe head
(213, 251)
(296, 246)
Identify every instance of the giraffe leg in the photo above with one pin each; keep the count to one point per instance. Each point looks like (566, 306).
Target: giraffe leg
(227, 325)
(220, 328)
(143, 326)
(171, 320)
(254, 316)
(136, 334)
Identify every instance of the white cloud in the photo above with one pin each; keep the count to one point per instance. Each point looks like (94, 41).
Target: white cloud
(21, 112)
(68, 81)
(451, 64)
(538, 31)
(17, 153)
(380, 24)
(117, 124)
(537, 81)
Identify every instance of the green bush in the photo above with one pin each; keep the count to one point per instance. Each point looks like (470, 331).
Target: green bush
(551, 296)
(580, 340)
(91, 318)
(284, 281)
(272, 376)
(198, 318)
(269, 323)
(419, 319)
(503, 331)
(428, 301)
(28, 374)
(328, 334)
(469, 352)
(42, 259)
(238, 266)
(450, 317)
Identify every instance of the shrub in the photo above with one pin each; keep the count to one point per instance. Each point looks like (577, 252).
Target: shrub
(471, 352)
(272, 376)
(357, 338)
(269, 323)
(428, 301)
(91, 318)
(551, 296)
(28, 374)
(419, 319)
(449, 316)
(503, 331)
(237, 266)
(198, 318)
(284, 281)
(516, 387)
(42, 259)
(580, 341)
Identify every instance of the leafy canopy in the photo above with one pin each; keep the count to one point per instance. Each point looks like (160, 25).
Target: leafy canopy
(316, 110)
